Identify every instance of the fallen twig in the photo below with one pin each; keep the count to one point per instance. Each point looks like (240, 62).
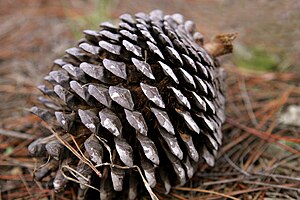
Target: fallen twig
(204, 191)
(17, 134)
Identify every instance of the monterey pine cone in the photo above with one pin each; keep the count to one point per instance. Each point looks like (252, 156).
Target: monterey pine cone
(141, 99)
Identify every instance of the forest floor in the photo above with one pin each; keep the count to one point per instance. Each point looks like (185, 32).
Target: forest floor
(261, 152)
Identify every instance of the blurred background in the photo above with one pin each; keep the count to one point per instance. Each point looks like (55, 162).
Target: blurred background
(35, 32)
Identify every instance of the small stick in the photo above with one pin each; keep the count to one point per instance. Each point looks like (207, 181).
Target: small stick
(205, 191)
(235, 166)
(17, 134)
(288, 186)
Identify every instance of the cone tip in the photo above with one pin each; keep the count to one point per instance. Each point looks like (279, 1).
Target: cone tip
(221, 44)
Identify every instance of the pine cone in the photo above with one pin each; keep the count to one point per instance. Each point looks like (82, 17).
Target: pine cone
(141, 99)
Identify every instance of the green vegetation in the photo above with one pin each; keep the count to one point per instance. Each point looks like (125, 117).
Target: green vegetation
(100, 12)
(256, 58)
(8, 150)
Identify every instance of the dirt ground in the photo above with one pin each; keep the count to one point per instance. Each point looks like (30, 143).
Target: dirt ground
(260, 157)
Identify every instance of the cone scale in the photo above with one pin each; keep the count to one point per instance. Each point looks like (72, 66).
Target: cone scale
(144, 93)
